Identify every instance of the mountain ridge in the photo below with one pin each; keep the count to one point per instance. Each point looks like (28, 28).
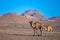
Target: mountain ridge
(29, 15)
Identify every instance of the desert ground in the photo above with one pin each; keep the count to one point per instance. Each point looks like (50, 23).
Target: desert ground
(23, 33)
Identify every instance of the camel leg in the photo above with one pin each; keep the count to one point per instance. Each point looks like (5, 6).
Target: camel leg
(34, 32)
(40, 31)
(37, 31)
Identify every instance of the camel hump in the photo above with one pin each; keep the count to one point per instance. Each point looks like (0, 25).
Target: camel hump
(37, 24)
(50, 28)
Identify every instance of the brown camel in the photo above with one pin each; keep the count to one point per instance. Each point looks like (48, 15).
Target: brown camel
(36, 25)
(49, 28)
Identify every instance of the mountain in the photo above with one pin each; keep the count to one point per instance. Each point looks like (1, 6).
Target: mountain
(12, 20)
(35, 14)
(56, 20)
(29, 15)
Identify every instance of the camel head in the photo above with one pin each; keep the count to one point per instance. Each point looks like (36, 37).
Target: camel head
(31, 23)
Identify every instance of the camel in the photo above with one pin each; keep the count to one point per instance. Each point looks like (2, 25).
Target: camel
(36, 25)
(48, 28)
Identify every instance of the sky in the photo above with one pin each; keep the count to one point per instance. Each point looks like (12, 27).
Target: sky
(48, 8)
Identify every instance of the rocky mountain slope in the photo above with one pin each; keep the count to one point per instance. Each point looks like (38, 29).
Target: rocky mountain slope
(56, 21)
(35, 14)
(14, 18)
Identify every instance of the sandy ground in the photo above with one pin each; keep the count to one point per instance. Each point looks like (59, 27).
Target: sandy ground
(26, 34)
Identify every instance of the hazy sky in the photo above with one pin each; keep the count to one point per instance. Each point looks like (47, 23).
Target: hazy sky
(49, 8)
